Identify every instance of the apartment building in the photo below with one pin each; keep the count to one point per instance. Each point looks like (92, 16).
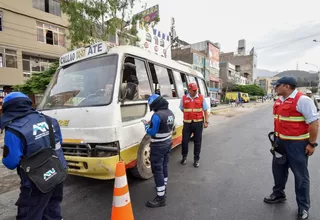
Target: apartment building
(228, 74)
(265, 83)
(245, 62)
(32, 35)
(203, 57)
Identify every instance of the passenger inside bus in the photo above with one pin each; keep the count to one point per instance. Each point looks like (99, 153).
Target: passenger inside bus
(129, 86)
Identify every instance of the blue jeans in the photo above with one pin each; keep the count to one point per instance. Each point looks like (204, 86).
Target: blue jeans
(297, 161)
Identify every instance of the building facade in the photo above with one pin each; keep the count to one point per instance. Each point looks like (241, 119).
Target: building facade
(228, 74)
(265, 83)
(245, 62)
(32, 35)
(203, 58)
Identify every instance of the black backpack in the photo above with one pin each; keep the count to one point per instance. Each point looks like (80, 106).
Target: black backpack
(43, 168)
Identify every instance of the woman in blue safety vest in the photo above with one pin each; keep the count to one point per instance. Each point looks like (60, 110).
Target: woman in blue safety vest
(160, 129)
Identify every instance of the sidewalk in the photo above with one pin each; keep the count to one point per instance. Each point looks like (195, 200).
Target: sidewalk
(228, 107)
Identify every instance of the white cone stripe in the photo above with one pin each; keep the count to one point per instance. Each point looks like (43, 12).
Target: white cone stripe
(120, 201)
(161, 188)
(120, 181)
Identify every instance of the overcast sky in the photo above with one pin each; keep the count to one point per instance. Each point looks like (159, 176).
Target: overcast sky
(283, 29)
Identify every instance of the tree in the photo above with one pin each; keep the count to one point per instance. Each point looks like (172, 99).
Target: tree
(38, 82)
(95, 20)
(229, 85)
(253, 90)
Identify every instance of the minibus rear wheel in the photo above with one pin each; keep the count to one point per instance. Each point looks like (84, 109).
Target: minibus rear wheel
(142, 170)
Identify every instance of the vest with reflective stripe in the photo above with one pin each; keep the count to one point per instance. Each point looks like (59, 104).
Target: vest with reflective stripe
(166, 125)
(193, 111)
(33, 130)
(289, 124)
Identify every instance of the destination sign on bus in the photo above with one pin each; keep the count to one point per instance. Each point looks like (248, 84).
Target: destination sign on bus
(83, 53)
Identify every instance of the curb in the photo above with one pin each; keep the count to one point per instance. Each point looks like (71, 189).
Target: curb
(221, 110)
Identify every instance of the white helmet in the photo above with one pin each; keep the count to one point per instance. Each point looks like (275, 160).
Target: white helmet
(308, 92)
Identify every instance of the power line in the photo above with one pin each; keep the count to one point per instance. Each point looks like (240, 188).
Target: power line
(274, 46)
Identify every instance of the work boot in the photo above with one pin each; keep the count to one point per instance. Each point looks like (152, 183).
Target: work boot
(272, 199)
(303, 214)
(184, 161)
(157, 202)
(196, 163)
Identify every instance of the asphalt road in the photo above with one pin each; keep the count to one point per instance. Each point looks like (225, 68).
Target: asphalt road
(233, 177)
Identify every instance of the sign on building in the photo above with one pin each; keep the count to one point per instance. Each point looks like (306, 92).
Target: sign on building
(150, 14)
(214, 56)
(154, 40)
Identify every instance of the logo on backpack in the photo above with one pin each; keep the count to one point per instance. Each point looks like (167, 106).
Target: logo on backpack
(42, 127)
(49, 174)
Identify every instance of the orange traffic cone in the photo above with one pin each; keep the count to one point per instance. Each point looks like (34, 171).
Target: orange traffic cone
(121, 206)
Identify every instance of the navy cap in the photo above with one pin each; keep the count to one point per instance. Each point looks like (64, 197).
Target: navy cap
(288, 80)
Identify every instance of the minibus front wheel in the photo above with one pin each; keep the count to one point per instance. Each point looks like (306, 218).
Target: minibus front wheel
(142, 170)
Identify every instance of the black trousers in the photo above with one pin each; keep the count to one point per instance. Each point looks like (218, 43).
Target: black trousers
(35, 205)
(188, 128)
(297, 161)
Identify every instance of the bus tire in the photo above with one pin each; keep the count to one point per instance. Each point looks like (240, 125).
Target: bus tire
(142, 170)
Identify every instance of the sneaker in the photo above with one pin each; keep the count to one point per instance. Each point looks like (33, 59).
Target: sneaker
(272, 199)
(303, 214)
(184, 161)
(196, 164)
(157, 202)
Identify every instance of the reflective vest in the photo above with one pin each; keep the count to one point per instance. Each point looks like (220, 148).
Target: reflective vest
(193, 111)
(166, 125)
(289, 124)
(33, 131)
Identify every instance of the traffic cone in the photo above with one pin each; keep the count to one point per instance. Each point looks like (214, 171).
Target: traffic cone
(121, 206)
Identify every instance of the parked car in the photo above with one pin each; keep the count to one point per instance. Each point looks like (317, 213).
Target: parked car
(214, 102)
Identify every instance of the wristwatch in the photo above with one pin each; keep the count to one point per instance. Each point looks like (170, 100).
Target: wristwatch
(313, 144)
(206, 122)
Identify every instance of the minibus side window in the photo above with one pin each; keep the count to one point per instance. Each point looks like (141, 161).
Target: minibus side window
(161, 82)
(184, 82)
(202, 87)
(135, 81)
(179, 83)
(139, 89)
(192, 79)
(173, 87)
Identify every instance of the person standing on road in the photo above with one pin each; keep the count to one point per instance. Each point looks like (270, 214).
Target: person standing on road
(28, 142)
(309, 94)
(195, 117)
(160, 129)
(296, 129)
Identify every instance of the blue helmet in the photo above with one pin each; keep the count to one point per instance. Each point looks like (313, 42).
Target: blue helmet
(14, 95)
(154, 101)
(152, 98)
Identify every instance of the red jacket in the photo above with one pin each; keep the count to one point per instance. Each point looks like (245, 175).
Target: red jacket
(192, 109)
(289, 124)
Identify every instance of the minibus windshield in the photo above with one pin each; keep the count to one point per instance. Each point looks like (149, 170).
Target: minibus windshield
(86, 83)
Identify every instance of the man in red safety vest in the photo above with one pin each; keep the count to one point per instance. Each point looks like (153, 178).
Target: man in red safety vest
(195, 117)
(296, 130)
